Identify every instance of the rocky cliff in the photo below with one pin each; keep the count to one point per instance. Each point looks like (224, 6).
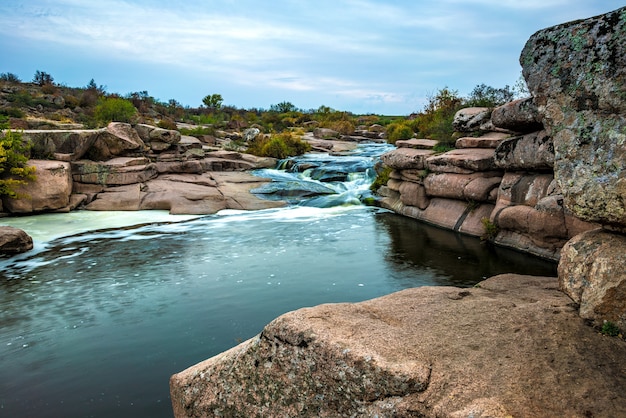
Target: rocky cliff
(549, 178)
(497, 184)
(124, 167)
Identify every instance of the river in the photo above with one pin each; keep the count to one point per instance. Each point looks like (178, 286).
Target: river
(110, 304)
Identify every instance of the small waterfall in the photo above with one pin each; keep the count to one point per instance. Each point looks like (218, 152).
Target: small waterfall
(324, 180)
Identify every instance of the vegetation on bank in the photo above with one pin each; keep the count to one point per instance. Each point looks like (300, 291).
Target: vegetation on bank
(93, 107)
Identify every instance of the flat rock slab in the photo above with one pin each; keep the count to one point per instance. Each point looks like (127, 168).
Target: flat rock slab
(416, 143)
(195, 194)
(406, 158)
(513, 346)
(462, 161)
(489, 140)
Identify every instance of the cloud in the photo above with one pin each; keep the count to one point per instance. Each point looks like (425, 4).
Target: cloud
(369, 51)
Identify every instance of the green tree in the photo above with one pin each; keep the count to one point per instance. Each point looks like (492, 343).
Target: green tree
(283, 107)
(213, 101)
(10, 77)
(13, 163)
(114, 109)
(487, 96)
(42, 78)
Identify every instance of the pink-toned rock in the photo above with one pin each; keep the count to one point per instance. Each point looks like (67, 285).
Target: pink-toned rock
(482, 189)
(519, 115)
(188, 167)
(534, 151)
(512, 346)
(416, 176)
(406, 158)
(413, 194)
(473, 222)
(394, 184)
(462, 161)
(14, 241)
(49, 191)
(592, 271)
(475, 186)
(115, 141)
(539, 225)
(182, 196)
(470, 119)
(445, 213)
(115, 172)
(127, 197)
(416, 143)
(204, 194)
(519, 188)
(488, 140)
(524, 243)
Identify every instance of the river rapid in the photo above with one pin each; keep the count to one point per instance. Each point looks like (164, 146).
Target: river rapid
(108, 305)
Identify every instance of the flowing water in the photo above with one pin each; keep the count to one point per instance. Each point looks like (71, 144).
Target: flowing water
(109, 305)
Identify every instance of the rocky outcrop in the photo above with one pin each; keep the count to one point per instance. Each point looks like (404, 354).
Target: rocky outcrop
(50, 191)
(14, 241)
(496, 185)
(122, 167)
(429, 352)
(577, 75)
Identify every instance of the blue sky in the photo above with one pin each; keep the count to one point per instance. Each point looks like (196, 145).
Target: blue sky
(363, 56)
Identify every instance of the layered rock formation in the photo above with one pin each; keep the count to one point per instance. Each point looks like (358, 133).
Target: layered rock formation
(124, 167)
(498, 184)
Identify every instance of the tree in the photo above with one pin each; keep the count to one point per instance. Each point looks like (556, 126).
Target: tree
(42, 78)
(213, 101)
(9, 77)
(114, 109)
(13, 160)
(283, 107)
(487, 96)
(92, 86)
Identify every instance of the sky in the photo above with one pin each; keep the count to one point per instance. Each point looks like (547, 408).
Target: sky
(362, 56)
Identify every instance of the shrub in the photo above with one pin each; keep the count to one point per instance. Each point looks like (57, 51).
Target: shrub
(42, 78)
(610, 329)
(279, 146)
(344, 127)
(10, 78)
(398, 130)
(491, 229)
(12, 112)
(381, 179)
(114, 109)
(167, 124)
(13, 159)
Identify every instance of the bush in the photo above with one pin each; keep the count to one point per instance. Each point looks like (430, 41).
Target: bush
(114, 109)
(398, 130)
(10, 78)
(167, 124)
(279, 146)
(13, 159)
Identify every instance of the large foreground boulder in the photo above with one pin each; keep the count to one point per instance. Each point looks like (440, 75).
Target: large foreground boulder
(577, 74)
(512, 346)
(592, 271)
